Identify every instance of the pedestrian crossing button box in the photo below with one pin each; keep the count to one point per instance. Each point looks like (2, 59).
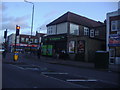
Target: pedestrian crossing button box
(15, 56)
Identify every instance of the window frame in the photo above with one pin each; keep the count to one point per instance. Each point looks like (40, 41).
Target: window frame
(86, 31)
(35, 40)
(22, 39)
(115, 25)
(92, 33)
(27, 39)
(72, 32)
(96, 33)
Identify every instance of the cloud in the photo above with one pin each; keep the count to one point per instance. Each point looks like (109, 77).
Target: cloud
(11, 22)
(48, 18)
(7, 19)
(50, 14)
(43, 27)
(3, 7)
(1, 36)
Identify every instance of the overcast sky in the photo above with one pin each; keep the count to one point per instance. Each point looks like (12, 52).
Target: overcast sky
(19, 13)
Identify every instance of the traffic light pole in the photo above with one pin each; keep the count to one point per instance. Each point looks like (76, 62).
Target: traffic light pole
(15, 41)
(15, 52)
(17, 33)
(5, 37)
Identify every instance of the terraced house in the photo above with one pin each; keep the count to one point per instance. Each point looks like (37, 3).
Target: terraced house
(77, 36)
(24, 43)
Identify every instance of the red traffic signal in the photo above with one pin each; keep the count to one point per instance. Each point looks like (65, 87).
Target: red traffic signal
(17, 27)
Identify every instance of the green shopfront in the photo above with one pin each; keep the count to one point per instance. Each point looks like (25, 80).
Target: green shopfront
(54, 44)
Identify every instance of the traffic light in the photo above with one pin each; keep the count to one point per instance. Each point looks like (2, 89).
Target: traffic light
(5, 34)
(17, 30)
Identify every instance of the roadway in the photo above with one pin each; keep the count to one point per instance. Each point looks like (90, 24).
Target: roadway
(32, 73)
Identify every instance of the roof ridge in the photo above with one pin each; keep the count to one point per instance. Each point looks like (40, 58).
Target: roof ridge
(75, 18)
(84, 17)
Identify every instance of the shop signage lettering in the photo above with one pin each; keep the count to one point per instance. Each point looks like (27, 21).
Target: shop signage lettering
(114, 40)
(54, 38)
(25, 45)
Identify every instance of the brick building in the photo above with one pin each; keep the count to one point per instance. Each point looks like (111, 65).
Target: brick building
(76, 35)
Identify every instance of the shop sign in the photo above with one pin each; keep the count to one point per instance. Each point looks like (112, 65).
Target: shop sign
(72, 47)
(25, 45)
(32, 45)
(114, 40)
(55, 38)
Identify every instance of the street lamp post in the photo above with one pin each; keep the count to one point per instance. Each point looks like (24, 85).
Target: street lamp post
(32, 18)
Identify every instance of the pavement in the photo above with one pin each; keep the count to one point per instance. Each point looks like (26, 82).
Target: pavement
(51, 60)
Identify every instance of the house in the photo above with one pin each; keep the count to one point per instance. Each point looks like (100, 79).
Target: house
(76, 35)
(113, 36)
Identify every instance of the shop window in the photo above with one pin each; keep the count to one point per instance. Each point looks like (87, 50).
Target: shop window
(74, 29)
(86, 31)
(81, 46)
(72, 47)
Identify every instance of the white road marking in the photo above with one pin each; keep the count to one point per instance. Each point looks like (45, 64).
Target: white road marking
(81, 80)
(53, 73)
(35, 69)
(25, 68)
(81, 86)
(18, 67)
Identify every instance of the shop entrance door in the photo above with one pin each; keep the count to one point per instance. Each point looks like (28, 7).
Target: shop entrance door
(112, 56)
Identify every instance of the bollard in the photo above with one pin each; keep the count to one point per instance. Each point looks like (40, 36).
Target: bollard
(15, 56)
